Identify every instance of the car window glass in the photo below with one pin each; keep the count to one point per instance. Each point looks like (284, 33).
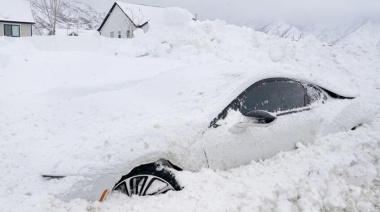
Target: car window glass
(273, 96)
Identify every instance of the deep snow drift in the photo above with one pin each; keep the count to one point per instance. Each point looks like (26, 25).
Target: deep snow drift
(71, 104)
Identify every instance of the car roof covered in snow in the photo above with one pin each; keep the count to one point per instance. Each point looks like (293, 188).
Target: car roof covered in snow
(16, 11)
(208, 89)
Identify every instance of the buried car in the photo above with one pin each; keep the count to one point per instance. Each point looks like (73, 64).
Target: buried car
(270, 115)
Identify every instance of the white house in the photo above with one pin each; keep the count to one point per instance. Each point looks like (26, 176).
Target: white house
(16, 19)
(124, 18)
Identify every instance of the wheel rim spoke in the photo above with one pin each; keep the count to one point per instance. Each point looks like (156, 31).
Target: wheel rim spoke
(163, 190)
(140, 185)
(137, 185)
(148, 183)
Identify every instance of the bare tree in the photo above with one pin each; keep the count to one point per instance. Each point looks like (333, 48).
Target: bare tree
(51, 9)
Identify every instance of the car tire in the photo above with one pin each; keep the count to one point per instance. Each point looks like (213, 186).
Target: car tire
(149, 179)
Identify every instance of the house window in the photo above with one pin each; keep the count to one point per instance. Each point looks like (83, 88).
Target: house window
(128, 33)
(119, 34)
(12, 30)
(112, 34)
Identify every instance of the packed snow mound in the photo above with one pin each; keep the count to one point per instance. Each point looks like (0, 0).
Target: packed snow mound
(366, 35)
(174, 16)
(216, 41)
(282, 29)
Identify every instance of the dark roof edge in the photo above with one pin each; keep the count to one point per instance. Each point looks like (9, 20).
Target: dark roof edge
(107, 16)
(109, 13)
(18, 22)
(143, 24)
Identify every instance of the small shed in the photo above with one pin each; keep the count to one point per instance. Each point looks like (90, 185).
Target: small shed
(124, 18)
(16, 19)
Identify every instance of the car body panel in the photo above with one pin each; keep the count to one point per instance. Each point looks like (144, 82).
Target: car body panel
(260, 142)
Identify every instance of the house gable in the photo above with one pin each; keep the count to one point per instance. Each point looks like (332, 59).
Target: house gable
(117, 24)
(134, 15)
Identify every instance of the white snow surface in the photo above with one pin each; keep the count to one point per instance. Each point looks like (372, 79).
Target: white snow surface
(80, 109)
(16, 10)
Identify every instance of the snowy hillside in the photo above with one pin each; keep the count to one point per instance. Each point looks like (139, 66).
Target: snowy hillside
(83, 106)
(332, 31)
(284, 30)
(74, 14)
(348, 33)
(367, 35)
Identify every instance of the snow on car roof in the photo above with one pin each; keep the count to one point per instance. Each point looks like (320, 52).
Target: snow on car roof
(217, 85)
(16, 10)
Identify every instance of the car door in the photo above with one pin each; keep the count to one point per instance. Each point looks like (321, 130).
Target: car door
(270, 116)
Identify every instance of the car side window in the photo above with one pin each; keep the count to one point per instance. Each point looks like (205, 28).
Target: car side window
(273, 96)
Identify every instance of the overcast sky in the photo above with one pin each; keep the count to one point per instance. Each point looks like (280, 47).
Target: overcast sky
(245, 11)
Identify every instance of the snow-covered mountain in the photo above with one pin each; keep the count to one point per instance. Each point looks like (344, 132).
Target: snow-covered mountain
(331, 31)
(74, 14)
(282, 29)
(361, 33)
(366, 35)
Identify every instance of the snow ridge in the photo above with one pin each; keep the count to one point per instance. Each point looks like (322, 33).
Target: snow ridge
(358, 32)
(284, 30)
(367, 35)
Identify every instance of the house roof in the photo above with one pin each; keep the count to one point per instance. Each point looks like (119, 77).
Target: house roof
(139, 14)
(16, 11)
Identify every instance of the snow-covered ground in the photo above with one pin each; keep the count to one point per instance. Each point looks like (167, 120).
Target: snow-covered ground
(73, 104)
